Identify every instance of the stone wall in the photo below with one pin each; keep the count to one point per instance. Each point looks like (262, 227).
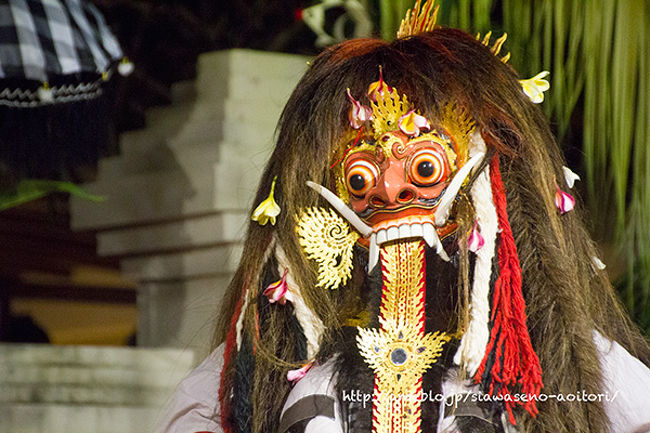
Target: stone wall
(179, 193)
(77, 389)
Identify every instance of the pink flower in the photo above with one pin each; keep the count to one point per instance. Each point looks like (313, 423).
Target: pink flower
(411, 123)
(378, 88)
(295, 375)
(563, 201)
(278, 291)
(358, 114)
(475, 240)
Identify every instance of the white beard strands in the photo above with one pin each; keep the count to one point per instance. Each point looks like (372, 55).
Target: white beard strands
(472, 347)
(239, 326)
(311, 325)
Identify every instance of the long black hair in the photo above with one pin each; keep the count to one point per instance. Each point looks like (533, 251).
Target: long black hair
(567, 298)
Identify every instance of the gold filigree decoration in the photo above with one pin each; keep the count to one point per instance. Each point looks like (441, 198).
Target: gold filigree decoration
(403, 273)
(460, 125)
(341, 187)
(419, 19)
(498, 44)
(399, 355)
(400, 352)
(398, 392)
(387, 111)
(363, 147)
(389, 145)
(326, 238)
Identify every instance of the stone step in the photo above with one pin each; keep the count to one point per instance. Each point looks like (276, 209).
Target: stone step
(150, 361)
(156, 157)
(204, 188)
(148, 197)
(89, 375)
(247, 74)
(161, 156)
(198, 232)
(242, 125)
(57, 418)
(215, 260)
(119, 393)
(178, 122)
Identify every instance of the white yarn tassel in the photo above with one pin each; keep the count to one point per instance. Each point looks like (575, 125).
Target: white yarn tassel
(311, 325)
(474, 342)
(239, 326)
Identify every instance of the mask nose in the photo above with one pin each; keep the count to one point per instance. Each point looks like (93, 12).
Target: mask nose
(391, 191)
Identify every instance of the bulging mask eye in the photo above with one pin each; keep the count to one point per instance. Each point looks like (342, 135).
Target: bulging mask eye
(427, 167)
(360, 176)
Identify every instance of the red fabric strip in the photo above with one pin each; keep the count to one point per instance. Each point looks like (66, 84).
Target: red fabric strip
(231, 339)
(516, 363)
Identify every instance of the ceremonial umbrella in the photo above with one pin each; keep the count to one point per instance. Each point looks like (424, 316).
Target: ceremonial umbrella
(54, 51)
(56, 57)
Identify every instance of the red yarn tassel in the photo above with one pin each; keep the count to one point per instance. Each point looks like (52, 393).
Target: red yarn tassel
(515, 361)
(231, 340)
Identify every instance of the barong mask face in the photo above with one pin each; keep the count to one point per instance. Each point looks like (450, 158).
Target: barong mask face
(400, 179)
(399, 174)
(395, 175)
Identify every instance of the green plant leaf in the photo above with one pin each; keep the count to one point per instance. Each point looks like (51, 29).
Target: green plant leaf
(33, 189)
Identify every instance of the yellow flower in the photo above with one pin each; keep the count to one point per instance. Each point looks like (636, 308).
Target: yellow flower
(535, 87)
(268, 209)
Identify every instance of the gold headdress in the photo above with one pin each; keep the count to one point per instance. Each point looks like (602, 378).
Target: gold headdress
(387, 111)
(496, 48)
(422, 18)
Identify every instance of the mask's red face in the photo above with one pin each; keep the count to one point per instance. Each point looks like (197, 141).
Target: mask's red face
(397, 180)
(396, 171)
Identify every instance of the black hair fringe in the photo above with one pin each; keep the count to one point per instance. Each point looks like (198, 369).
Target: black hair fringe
(355, 382)
(298, 334)
(491, 359)
(242, 404)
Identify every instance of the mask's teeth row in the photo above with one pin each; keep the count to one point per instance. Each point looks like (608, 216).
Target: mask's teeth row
(416, 230)
(426, 231)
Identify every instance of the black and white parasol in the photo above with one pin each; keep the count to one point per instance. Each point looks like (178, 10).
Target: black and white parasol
(54, 51)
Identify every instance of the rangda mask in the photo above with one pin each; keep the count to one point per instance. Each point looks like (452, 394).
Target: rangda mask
(398, 174)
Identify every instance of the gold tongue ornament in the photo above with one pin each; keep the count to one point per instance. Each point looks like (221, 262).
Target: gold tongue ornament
(399, 351)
